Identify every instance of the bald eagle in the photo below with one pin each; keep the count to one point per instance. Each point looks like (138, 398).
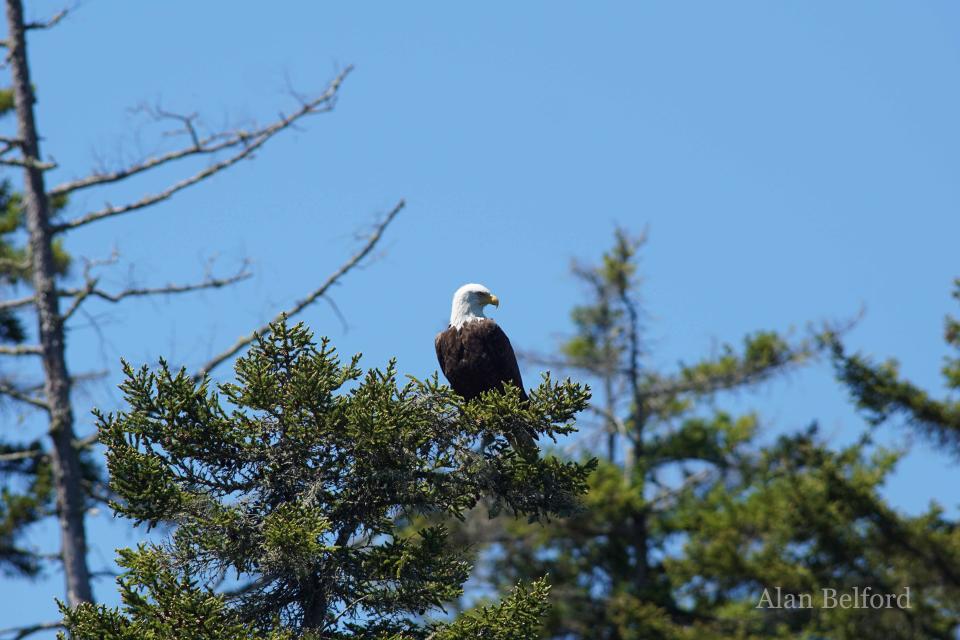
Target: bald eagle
(475, 354)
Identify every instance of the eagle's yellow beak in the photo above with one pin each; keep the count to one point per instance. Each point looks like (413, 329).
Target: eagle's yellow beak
(494, 300)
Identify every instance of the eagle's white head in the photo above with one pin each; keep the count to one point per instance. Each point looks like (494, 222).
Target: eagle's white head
(468, 303)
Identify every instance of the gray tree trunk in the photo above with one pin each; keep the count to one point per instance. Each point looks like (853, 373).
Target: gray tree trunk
(65, 457)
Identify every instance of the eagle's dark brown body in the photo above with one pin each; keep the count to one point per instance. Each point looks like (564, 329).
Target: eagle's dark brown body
(477, 357)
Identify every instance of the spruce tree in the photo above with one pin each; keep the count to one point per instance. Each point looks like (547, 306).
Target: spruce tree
(689, 518)
(297, 498)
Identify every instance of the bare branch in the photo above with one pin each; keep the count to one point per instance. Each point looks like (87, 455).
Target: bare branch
(16, 303)
(21, 350)
(248, 141)
(79, 445)
(79, 295)
(80, 378)
(560, 363)
(346, 610)
(614, 423)
(23, 396)
(19, 633)
(312, 297)
(31, 163)
(9, 144)
(188, 120)
(109, 211)
(52, 22)
(21, 455)
(693, 480)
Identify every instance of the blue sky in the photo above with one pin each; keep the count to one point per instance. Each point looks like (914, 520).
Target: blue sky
(793, 162)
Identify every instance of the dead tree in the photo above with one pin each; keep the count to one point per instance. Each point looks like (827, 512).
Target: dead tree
(54, 304)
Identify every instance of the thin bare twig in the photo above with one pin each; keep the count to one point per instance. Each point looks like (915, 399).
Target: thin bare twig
(23, 396)
(333, 623)
(79, 295)
(312, 297)
(52, 22)
(31, 163)
(249, 141)
(74, 380)
(688, 482)
(19, 633)
(9, 144)
(79, 445)
(560, 363)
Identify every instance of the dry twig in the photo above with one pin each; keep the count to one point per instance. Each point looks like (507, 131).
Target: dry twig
(244, 144)
(243, 341)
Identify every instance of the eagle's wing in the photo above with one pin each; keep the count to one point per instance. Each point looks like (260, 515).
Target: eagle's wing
(500, 362)
(501, 367)
(477, 357)
(438, 344)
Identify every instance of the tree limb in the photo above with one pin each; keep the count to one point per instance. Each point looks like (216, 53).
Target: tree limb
(248, 140)
(9, 144)
(312, 297)
(21, 350)
(79, 295)
(19, 633)
(16, 303)
(14, 265)
(23, 396)
(52, 22)
(79, 445)
(29, 163)
(74, 380)
(21, 455)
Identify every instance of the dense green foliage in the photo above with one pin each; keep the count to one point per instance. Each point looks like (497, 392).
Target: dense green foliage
(691, 517)
(292, 496)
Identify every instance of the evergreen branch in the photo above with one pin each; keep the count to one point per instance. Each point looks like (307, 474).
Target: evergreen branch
(880, 392)
(754, 366)
(346, 267)
(248, 140)
(11, 264)
(21, 350)
(707, 384)
(23, 396)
